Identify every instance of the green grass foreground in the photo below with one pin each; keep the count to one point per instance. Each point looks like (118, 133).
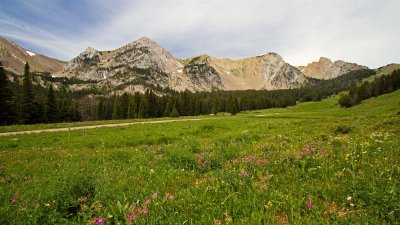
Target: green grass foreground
(314, 163)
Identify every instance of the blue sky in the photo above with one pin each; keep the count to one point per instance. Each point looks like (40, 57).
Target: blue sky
(362, 31)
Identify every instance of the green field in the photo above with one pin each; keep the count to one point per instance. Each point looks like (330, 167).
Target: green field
(314, 163)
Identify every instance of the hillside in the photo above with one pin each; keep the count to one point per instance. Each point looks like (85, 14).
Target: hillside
(314, 163)
(14, 58)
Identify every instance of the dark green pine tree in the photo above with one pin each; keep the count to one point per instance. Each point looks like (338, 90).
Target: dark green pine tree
(116, 109)
(235, 106)
(345, 101)
(124, 104)
(28, 107)
(52, 113)
(7, 112)
(144, 107)
(131, 108)
(136, 100)
(101, 113)
(168, 108)
(174, 113)
(152, 103)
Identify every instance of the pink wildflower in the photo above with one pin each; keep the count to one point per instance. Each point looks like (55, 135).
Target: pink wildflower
(145, 212)
(99, 220)
(146, 202)
(132, 217)
(154, 196)
(171, 197)
(309, 204)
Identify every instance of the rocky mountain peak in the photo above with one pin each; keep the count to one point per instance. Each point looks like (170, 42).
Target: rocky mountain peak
(326, 69)
(88, 57)
(278, 74)
(143, 43)
(145, 40)
(89, 53)
(272, 57)
(323, 59)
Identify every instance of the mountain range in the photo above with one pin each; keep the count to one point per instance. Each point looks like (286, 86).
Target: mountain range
(143, 63)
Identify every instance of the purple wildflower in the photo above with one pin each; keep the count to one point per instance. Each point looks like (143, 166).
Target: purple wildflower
(135, 208)
(309, 204)
(100, 220)
(132, 217)
(154, 196)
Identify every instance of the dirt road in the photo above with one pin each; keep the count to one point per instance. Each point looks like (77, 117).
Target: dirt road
(93, 127)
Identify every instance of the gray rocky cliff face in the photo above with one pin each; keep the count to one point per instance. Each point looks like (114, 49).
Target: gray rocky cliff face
(278, 74)
(202, 75)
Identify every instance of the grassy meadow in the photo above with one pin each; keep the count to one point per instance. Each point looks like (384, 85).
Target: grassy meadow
(314, 163)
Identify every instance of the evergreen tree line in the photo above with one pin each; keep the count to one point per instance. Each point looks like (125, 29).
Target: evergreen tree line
(28, 104)
(379, 86)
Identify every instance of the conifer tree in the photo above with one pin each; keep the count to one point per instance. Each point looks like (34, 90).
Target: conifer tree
(131, 108)
(144, 107)
(174, 113)
(28, 106)
(168, 109)
(124, 104)
(52, 114)
(7, 112)
(101, 114)
(116, 109)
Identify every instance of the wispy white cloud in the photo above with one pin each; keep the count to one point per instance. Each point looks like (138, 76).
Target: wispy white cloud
(300, 30)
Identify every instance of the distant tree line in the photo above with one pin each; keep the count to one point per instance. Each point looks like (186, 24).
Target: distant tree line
(379, 86)
(26, 103)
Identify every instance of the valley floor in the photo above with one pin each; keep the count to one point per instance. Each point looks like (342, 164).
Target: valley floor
(314, 163)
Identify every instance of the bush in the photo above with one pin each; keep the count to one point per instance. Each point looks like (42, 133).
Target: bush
(343, 129)
(174, 113)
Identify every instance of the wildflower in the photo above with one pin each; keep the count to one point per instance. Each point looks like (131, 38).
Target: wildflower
(135, 208)
(12, 199)
(154, 196)
(349, 198)
(309, 204)
(132, 217)
(171, 197)
(100, 220)
(146, 202)
(145, 212)
(217, 221)
(47, 204)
